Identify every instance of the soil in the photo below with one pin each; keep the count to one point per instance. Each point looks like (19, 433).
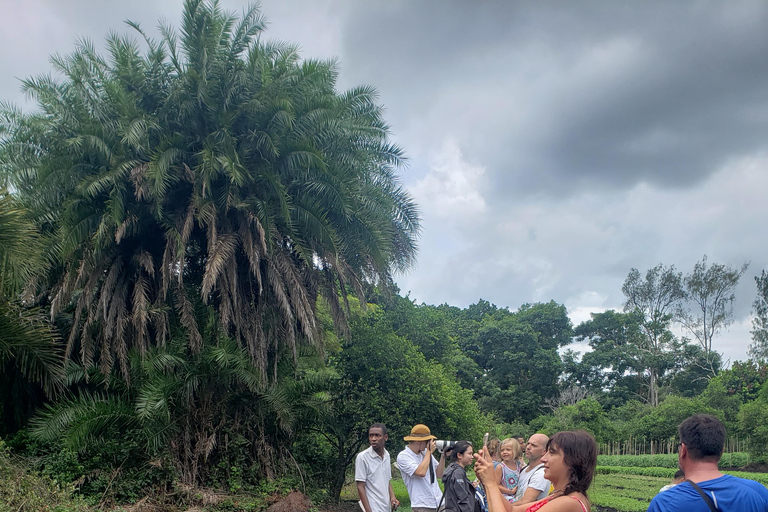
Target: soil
(344, 506)
(752, 467)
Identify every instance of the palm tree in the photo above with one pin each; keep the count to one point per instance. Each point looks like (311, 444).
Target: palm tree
(186, 406)
(29, 358)
(211, 189)
(214, 166)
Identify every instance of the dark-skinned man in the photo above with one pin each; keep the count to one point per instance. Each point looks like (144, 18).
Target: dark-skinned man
(373, 473)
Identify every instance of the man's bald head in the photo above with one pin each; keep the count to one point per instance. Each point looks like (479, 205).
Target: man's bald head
(537, 445)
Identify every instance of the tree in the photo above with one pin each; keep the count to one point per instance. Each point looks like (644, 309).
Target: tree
(210, 187)
(213, 166)
(29, 357)
(385, 378)
(758, 349)
(711, 291)
(613, 371)
(518, 355)
(655, 298)
(188, 406)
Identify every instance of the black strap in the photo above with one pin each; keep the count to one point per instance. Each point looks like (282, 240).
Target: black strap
(431, 469)
(704, 496)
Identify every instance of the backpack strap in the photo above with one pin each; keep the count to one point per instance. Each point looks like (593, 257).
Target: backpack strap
(704, 496)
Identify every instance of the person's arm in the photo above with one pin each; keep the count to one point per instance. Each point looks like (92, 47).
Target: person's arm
(360, 477)
(440, 466)
(393, 501)
(485, 472)
(363, 496)
(530, 495)
(537, 485)
(407, 464)
(423, 467)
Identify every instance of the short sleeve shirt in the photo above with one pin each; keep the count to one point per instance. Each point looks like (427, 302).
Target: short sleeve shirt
(727, 493)
(422, 491)
(376, 472)
(535, 480)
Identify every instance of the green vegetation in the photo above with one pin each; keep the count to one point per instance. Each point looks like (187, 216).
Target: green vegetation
(626, 493)
(198, 237)
(22, 490)
(631, 488)
(728, 460)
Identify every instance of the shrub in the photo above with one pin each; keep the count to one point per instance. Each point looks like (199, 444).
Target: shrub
(23, 490)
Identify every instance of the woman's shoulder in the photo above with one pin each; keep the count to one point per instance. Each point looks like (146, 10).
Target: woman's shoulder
(574, 502)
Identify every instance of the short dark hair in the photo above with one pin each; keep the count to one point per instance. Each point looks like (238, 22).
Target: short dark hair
(579, 451)
(379, 425)
(679, 474)
(704, 437)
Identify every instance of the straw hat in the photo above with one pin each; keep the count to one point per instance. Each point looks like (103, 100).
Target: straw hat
(420, 433)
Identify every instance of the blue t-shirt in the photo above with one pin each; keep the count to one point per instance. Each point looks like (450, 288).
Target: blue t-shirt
(728, 493)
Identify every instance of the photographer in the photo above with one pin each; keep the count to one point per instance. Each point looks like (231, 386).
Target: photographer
(459, 492)
(420, 470)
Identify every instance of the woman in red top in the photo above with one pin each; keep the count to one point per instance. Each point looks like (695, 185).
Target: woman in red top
(569, 464)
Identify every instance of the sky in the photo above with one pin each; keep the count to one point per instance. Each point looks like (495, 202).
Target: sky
(552, 146)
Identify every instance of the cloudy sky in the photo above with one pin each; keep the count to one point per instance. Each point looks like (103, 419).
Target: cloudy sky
(552, 145)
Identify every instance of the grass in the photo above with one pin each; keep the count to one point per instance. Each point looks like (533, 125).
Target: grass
(349, 492)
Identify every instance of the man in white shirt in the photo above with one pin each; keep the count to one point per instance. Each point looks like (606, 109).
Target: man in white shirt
(420, 470)
(373, 473)
(532, 485)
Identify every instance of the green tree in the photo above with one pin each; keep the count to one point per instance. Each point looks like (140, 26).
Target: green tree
(655, 298)
(661, 423)
(586, 414)
(613, 370)
(384, 377)
(758, 349)
(710, 291)
(212, 166)
(208, 187)
(29, 357)
(518, 355)
(188, 406)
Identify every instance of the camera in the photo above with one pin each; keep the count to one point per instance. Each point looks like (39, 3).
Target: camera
(442, 445)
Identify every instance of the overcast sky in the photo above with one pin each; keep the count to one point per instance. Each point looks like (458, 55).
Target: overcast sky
(552, 146)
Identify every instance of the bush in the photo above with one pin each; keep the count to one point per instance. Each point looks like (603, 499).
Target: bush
(753, 422)
(22, 490)
(728, 460)
(669, 472)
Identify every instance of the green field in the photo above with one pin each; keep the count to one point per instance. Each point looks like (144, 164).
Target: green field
(631, 489)
(622, 488)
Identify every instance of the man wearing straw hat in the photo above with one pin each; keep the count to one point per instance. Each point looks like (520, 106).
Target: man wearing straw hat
(420, 470)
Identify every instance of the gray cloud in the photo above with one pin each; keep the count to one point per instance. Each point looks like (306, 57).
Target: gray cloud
(553, 145)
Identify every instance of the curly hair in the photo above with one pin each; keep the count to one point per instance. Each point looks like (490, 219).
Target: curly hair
(579, 451)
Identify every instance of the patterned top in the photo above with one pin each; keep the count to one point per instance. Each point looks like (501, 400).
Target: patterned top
(510, 477)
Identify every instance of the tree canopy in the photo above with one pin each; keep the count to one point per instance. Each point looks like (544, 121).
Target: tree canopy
(210, 170)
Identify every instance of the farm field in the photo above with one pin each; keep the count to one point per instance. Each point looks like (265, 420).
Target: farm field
(628, 487)
(625, 493)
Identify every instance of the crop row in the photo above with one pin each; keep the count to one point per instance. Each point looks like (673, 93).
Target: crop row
(669, 473)
(626, 493)
(728, 460)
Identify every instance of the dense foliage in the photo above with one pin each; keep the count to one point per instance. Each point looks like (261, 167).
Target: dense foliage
(197, 244)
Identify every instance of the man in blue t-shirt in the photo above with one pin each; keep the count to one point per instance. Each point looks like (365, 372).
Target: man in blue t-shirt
(702, 438)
